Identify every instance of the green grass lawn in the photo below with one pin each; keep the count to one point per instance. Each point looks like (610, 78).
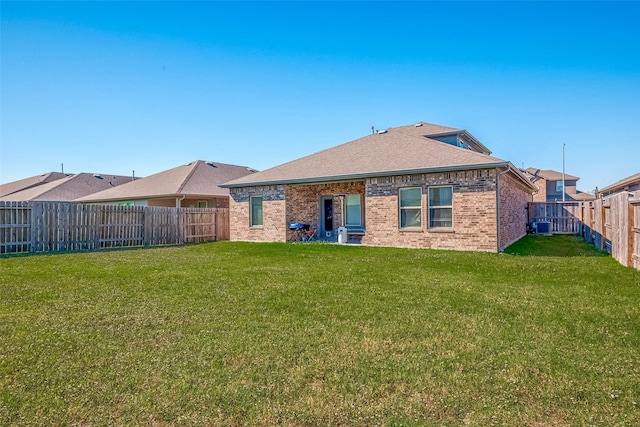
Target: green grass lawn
(317, 334)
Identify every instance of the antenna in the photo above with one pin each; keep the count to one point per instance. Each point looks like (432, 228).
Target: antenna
(563, 189)
(372, 131)
(62, 165)
(133, 174)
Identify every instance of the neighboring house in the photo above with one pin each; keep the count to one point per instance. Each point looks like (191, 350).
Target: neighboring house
(630, 184)
(195, 184)
(421, 185)
(549, 185)
(67, 188)
(26, 183)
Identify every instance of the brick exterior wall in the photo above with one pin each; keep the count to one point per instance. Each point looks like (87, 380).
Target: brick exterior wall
(303, 201)
(273, 227)
(475, 224)
(474, 212)
(514, 199)
(541, 195)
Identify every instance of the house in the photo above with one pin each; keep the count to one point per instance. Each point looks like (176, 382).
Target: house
(549, 185)
(421, 185)
(194, 184)
(630, 184)
(33, 181)
(67, 188)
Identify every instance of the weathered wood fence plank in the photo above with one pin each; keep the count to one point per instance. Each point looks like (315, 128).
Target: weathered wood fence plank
(564, 218)
(70, 227)
(611, 224)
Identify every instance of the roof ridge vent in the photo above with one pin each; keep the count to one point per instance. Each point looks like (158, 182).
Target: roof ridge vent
(418, 124)
(382, 131)
(95, 175)
(213, 165)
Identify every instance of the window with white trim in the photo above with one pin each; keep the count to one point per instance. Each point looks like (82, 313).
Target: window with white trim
(202, 203)
(353, 217)
(441, 207)
(255, 211)
(410, 201)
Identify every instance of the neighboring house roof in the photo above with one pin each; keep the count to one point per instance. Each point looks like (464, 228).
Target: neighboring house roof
(68, 188)
(581, 196)
(550, 175)
(625, 183)
(400, 150)
(198, 178)
(33, 181)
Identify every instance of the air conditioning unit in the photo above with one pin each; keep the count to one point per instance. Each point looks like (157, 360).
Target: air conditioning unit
(542, 227)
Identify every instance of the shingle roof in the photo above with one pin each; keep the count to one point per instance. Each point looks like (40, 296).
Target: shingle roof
(68, 188)
(402, 149)
(580, 196)
(198, 178)
(33, 181)
(622, 184)
(551, 175)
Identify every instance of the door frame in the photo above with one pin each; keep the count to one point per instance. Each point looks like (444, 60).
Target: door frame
(322, 218)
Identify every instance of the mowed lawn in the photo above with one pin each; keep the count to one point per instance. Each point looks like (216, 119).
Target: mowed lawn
(316, 334)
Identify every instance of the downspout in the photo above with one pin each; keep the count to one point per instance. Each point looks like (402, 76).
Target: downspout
(179, 201)
(498, 204)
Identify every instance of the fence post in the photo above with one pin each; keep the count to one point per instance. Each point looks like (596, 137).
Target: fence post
(604, 227)
(630, 233)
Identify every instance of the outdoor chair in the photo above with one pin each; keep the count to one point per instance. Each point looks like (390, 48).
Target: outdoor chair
(308, 235)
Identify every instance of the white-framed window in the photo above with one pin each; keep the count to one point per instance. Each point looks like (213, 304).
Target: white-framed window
(410, 201)
(255, 211)
(202, 203)
(441, 207)
(353, 217)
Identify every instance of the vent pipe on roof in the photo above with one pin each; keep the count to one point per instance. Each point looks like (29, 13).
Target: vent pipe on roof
(372, 130)
(133, 175)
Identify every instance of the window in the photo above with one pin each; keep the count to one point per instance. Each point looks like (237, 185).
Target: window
(354, 210)
(558, 186)
(440, 207)
(255, 211)
(202, 203)
(410, 207)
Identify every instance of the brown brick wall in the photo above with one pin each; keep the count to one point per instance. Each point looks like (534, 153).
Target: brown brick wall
(273, 227)
(474, 212)
(303, 201)
(474, 224)
(514, 199)
(272, 230)
(541, 195)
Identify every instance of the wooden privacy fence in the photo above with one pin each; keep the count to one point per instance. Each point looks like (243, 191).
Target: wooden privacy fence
(69, 227)
(611, 224)
(563, 217)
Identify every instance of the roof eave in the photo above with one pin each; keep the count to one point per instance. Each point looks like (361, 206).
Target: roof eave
(351, 177)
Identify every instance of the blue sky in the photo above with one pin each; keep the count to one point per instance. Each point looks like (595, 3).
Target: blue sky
(116, 87)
